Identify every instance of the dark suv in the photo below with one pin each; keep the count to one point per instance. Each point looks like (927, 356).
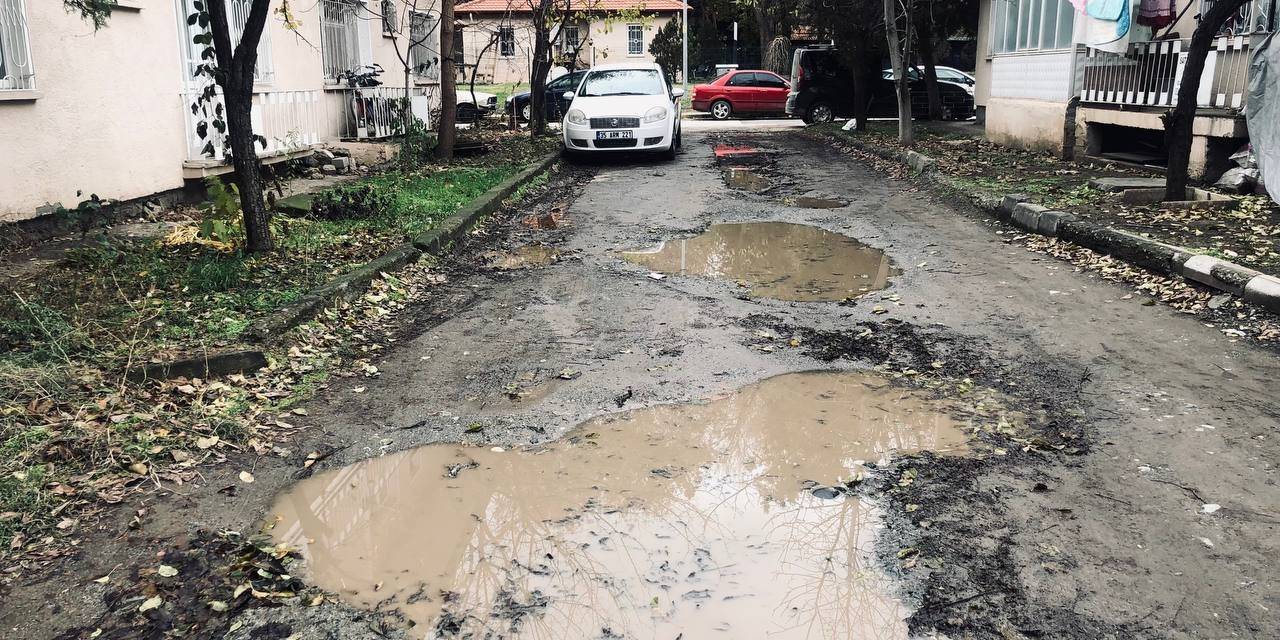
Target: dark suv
(822, 88)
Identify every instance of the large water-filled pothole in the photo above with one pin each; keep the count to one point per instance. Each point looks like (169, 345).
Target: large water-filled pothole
(776, 260)
(729, 516)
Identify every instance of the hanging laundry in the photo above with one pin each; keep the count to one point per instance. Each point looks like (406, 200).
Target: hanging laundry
(1113, 35)
(1079, 5)
(1157, 14)
(1108, 10)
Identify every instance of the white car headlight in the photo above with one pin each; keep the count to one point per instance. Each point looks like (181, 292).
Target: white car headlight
(576, 116)
(656, 114)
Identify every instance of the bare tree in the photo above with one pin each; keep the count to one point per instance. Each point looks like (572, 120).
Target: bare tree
(1178, 122)
(899, 32)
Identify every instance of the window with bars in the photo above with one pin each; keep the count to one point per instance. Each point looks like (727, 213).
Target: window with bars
(507, 42)
(388, 10)
(1031, 25)
(237, 16)
(424, 57)
(572, 37)
(635, 40)
(339, 39)
(16, 70)
(1257, 16)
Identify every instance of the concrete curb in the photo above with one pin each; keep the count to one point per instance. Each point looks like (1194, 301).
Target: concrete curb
(436, 241)
(200, 366)
(1016, 209)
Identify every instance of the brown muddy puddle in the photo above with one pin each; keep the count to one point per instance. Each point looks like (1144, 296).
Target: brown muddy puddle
(813, 202)
(747, 179)
(726, 518)
(526, 257)
(776, 260)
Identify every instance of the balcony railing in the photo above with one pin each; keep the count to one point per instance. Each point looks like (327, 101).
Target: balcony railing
(373, 113)
(289, 120)
(1150, 73)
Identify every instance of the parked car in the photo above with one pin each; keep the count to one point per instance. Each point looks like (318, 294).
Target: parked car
(946, 74)
(822, 88)
(739, 92)
(472, 105)
(623, 107)
(553, 101)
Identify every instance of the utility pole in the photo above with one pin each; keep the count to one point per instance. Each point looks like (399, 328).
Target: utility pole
(684, 44)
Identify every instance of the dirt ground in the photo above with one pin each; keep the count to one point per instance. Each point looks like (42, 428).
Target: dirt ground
(1134, 497)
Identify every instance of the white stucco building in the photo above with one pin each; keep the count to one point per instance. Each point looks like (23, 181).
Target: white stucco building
(108, 112)
(1047, 80)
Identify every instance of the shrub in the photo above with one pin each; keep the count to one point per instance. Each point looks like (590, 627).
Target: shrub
(354, 202)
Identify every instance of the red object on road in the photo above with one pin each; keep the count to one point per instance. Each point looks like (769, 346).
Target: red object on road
(736, 92)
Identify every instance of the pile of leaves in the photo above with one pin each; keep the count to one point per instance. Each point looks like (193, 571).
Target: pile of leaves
(1248, 234)
(355, 202)
(197, 587)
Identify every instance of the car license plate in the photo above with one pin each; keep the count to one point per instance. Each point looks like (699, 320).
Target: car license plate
(613, 135)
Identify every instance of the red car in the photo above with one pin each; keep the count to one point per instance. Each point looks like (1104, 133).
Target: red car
(742, 92)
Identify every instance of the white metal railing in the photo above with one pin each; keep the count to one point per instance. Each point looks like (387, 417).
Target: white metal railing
(339, 37)
(371, 113)
(289, 120)
(16, 70)
(1150, 73)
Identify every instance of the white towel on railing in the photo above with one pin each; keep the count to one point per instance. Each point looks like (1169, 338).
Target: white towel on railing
(1114, 35)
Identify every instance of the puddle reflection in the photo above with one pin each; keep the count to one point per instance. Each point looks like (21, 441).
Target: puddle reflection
(776, 260)
(684, 519)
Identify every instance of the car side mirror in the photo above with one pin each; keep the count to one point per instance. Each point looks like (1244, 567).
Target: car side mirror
(568, 95)
(677, 93)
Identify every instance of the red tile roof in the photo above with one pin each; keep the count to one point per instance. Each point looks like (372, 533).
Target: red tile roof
(522, 6)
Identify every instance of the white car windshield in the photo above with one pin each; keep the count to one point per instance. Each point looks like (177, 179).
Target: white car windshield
(623, 82)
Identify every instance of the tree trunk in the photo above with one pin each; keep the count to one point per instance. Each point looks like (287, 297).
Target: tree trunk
(899, 54)
(928, 58)
(540, 67)
(448, 130)
(862, 59)
(244, 159)
(235, 76)
(1178, 122)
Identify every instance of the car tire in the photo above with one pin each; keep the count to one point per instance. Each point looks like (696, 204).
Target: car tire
(721, 110)
(569, 155)
(526, 112)
(467, 112)
(819, 113)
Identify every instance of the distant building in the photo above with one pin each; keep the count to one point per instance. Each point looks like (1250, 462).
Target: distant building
(497, 35)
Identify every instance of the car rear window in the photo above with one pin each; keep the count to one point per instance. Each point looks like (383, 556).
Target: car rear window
(623, 82)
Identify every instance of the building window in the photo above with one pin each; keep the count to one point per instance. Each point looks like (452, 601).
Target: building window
(16, 71)
(507, 42)
(1031, 25)
(389, 17)
(635, 40)
(237, 16)
(572, 38)
(422, 56)
(339, 38)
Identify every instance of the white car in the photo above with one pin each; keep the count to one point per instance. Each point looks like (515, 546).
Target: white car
(473, 104)
(623, 107)
(945, 74)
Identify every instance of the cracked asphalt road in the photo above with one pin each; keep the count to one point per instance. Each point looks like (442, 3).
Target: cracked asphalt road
(1113, 542)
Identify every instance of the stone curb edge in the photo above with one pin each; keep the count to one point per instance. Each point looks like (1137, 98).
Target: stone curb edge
(435, 241)
(1016, 209)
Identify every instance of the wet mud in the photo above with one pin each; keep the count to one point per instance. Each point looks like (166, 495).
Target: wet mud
(776, 260)
(526, 257)
(732, 516)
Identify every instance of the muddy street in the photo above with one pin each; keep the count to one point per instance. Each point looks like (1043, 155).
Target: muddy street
(771, 395)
